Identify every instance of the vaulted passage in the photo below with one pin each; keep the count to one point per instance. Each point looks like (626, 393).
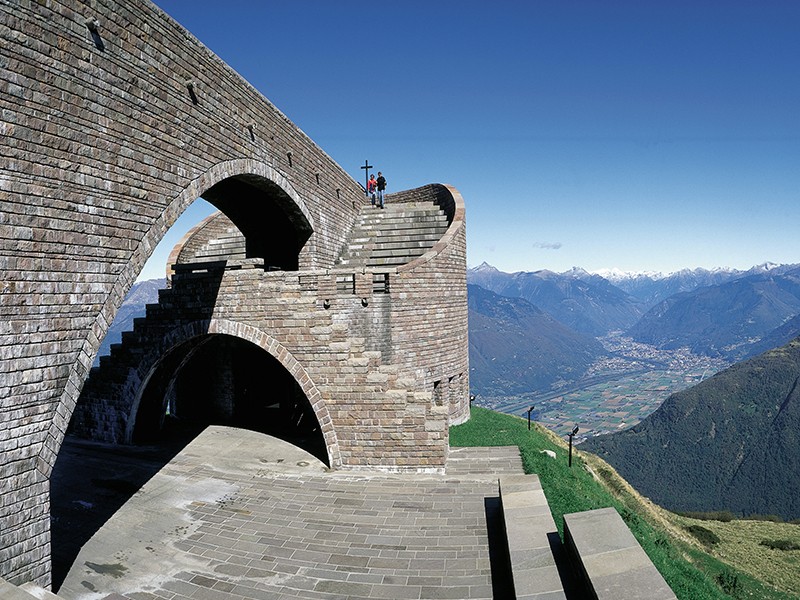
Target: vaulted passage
(274, 228)
(222, 380)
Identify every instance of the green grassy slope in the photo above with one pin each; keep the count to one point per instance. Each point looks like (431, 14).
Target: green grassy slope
(693, 570)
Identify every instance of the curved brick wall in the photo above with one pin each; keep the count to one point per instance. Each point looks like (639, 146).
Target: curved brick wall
(437, 308)
(106, 138)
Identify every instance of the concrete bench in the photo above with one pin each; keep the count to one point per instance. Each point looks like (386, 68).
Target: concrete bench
(27, 591)
(531, 533)
(608, 558)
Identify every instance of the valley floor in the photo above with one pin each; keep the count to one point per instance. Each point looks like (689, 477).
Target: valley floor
(618, 392)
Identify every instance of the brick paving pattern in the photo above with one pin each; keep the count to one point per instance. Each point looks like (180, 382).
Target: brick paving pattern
(217, 525)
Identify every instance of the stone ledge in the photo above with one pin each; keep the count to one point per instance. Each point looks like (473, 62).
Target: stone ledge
(530, 531)
(27, 591)
(610, 561)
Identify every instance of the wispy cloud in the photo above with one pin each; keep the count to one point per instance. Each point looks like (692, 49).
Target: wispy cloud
(547, 245)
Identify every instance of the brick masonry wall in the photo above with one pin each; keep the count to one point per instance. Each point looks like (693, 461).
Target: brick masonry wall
(107, 137)
(196, 239)
(389, 371)
(101, 149)
(431, 321)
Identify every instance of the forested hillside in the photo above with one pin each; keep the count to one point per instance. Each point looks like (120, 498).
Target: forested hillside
(731, 442)
(515, 348)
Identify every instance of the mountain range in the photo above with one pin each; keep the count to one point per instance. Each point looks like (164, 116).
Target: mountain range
(587, 303)
(727, 319)
(725, 313)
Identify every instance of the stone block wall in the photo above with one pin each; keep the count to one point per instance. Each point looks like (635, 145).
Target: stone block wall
(113, 120)
(103, 146)
(389, 369)
(430, 305)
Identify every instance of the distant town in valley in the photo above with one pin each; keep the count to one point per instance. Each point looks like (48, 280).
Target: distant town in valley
(604, 354)
(617, 392)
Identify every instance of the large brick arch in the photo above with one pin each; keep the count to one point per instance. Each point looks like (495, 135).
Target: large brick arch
(113, 119)
(273, 347)
(266, 342)
(196, 188)
(104, 143)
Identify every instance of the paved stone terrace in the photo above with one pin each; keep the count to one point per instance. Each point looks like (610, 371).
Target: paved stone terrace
(239, 515)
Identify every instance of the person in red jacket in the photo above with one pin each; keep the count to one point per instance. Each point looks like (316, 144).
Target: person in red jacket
(372, 185)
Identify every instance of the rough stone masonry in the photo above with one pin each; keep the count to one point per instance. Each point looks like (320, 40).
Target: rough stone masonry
(113, 120)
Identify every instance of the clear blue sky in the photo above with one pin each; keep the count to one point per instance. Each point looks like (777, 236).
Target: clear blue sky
(638, 135)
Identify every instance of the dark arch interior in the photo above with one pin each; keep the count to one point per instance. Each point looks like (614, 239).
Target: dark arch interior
(274, 227)
(223, 380)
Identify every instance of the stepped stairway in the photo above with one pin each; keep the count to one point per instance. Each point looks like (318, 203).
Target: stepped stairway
(227, 246)
(106, 384)
(394, 235)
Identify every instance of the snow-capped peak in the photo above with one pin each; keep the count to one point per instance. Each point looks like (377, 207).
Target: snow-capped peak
(484, 267)
(615, 274)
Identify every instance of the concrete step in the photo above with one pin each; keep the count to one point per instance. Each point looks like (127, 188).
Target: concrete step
(386, 262)
(397, 252)
(39, 592)
(389, 238)
(410, 247)
(428, 239)
(609, 558)
(533, 541)
(393, 209)
(27, 591)
(408, 218)
(216, 245)
(402, 225)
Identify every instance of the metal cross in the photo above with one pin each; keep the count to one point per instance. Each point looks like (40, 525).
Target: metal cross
(366, 167)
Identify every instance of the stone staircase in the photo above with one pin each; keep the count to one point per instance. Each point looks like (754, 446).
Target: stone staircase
(107, 388)
(229, 246)
(394, 235)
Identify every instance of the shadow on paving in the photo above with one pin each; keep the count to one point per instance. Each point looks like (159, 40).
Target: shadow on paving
(499, 560)
(90, 482)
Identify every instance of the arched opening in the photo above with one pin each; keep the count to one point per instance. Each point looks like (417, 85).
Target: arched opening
(205, 379)
(273, 225)
(223, 380)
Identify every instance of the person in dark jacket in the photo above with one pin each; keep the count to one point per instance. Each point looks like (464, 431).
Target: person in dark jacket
(381, 182)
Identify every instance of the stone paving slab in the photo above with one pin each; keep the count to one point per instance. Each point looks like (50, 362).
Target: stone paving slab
(239, 515)
(486, 460)
(532, 535)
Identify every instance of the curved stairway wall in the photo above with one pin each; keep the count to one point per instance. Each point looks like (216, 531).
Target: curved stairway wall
(378, 352)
